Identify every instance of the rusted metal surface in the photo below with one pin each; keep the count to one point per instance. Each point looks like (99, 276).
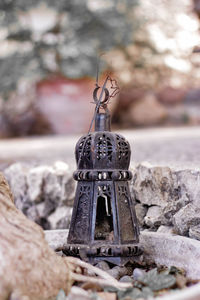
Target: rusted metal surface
(104, 224)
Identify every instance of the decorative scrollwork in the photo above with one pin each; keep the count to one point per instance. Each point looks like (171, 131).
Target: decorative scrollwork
(123, 148)
(104, 190)
(104, 148)
(84, 148)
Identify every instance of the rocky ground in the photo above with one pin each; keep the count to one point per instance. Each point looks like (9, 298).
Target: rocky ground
(165, 182)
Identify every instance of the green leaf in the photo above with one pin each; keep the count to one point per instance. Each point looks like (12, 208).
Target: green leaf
(135, 293)
(157, 281)
(110, 289)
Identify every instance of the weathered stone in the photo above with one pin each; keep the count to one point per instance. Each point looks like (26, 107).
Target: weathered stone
(165, 229)
(188, 181)
(138, 273)
(41, 191)
(141, 211)
(185, 218)
(126, 278)
(103, 265)
(154, 217)
(154, 185)
(35, 181)
(58, 184)
(194, 232)
(168, 188)
(76, 293)
(118, 272)
(16, 177)
(62, 213)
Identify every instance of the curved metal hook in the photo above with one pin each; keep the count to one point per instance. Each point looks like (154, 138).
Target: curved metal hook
(106, 98)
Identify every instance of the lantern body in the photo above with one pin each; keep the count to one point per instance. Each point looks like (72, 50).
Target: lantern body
(104, 224)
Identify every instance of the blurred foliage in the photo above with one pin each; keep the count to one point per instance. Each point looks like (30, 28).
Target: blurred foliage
(65, 37)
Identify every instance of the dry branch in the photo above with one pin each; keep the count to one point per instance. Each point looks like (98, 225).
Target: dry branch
(27, 264)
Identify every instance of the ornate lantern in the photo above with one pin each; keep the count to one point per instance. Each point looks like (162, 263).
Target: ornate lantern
(104, 224)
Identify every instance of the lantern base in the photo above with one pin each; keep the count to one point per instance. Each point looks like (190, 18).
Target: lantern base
(115, 254)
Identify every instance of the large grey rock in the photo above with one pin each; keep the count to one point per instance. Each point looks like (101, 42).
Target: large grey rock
(165, 229)
(154, 217)
(62, 215)
(44, 193)
(167, 191)
(156, 185)
(141, 211)
(185, 218)
(194, 232)
(16, 177)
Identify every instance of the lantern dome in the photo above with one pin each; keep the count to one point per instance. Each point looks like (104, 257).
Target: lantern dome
(103, 150)
(102, 155)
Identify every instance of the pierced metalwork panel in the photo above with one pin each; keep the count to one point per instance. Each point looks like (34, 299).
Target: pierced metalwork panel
(127, 228)
(81, 214)
(83, 150)
(104, 147)
(123, 151)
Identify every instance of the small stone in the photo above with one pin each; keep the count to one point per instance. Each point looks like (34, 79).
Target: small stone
(181, 281)
(138, 273)
(103, 265)
(35, 180)
(154, 217)
(40, 209)
(61, 213)
(194, 232)
(126, 279)
(118, 272)
(16, 177)
(141, 211)
(32, 213)
(165, 229)
(76, 293)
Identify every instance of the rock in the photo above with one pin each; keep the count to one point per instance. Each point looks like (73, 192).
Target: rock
(16, 177)
(154, 185)
(103, 265)
(35, 181)
(141, 211)
(138, 273)
(185, 218)
(164, 187)
(118, 272)
(154, 217)
(148, 111)
(56, 238)
(62, 215)
(76, 293)
(32, 213)
(194, 232)
(59, 185)
(165, 229)
(126, 279)
(43, 193)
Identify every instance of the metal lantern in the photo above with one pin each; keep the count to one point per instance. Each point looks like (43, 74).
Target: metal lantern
(104, 224)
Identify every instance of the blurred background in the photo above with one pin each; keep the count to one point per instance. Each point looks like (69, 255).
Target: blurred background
(48, 61)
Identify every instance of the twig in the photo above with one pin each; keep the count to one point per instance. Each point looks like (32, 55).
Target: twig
(106, 279)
